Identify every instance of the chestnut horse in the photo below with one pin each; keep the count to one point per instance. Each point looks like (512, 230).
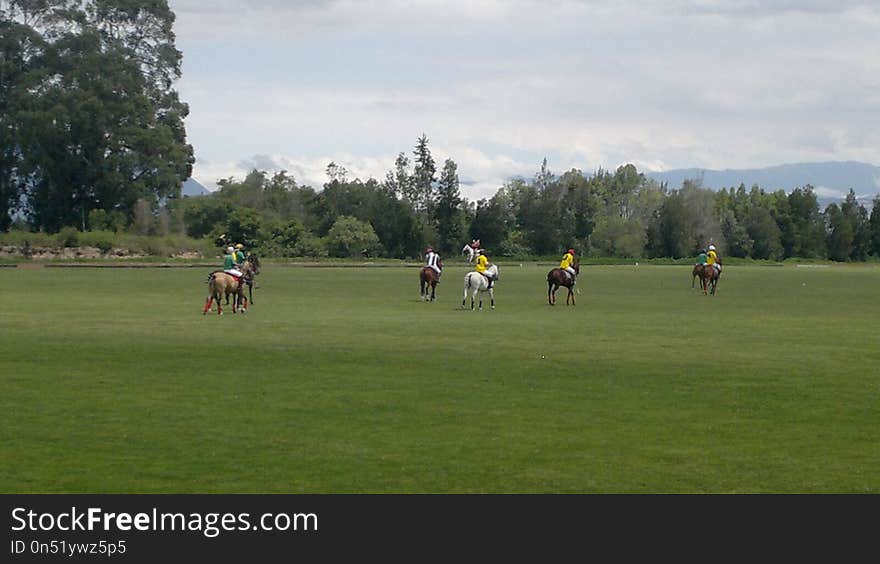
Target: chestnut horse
(560, 277)
(708, 276)
(428, 278)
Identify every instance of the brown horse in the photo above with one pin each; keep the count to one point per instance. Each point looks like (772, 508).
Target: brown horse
(254, 262)
(708, 276)
(223, 285)
(428, 278)
(559, 277)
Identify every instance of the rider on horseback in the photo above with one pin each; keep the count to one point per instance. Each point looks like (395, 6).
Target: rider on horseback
(229, 264)
(239, 255)
(566, 265)
(483, 265)
(701, 258)
(432, 260)
(712, 258)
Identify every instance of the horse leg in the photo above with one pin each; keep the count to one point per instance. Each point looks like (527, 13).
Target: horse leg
(570, 295)
(208, 303)
(550, 293)
(492, 297)
(433, 291)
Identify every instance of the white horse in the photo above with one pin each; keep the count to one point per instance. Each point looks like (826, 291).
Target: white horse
(469, 252)
(477, 284)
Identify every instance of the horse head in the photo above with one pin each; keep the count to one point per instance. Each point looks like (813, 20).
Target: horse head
(254, 261)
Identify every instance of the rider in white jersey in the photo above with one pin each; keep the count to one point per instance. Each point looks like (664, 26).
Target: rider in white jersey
(432, 260)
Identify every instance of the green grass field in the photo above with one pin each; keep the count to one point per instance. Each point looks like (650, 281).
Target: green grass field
(340, 380)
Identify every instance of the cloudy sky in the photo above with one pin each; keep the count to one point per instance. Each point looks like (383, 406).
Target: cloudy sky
(499, 85)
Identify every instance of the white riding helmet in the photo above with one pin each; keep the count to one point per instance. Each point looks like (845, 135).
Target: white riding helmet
(230, 250)
(711, 247)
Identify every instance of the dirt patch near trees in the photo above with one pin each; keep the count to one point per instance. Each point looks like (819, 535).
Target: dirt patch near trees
(82, 253)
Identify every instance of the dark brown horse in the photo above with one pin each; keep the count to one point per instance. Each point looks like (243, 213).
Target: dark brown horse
(428, 278)
(559, 277)
(254, 262)
(708, 276)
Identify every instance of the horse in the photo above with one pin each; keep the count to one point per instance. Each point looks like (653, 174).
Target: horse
(254, 262)
(249, 269)
(428, 278)
(221, 284)
(468, 252)
(708, 275)
(560, 277)
(477, 283)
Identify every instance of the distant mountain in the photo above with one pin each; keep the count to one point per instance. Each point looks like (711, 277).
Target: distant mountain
(192, 187)
(831, 180)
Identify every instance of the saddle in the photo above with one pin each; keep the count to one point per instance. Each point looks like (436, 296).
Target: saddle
(238, 279)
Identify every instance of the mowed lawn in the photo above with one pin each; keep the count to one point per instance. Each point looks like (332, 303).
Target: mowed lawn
(340, 380)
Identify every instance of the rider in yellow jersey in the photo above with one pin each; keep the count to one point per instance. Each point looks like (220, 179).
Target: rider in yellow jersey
(482, 262)
(712, 258)
(567, 261)
(483, 265)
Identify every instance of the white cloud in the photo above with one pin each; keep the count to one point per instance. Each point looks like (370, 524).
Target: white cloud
(498, 85)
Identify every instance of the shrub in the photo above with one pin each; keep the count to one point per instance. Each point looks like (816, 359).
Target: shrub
(68, 237)
(349, 237)
(310, 246)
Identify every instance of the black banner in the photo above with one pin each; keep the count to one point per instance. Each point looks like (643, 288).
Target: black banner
(415, 528)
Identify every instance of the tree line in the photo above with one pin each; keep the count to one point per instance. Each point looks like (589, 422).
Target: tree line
(92, 137)
(610, 214)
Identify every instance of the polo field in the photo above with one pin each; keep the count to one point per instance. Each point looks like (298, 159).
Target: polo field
(344, 380)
